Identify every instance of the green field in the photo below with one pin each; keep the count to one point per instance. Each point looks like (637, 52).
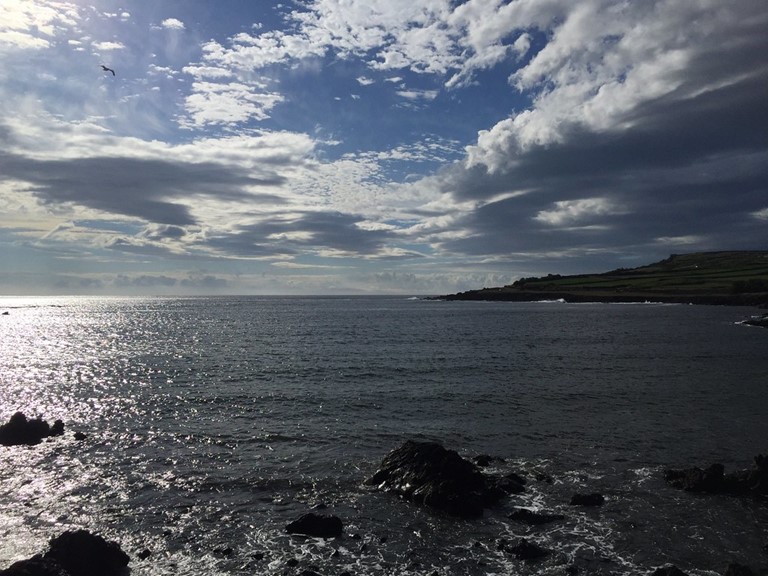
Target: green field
(702, 277)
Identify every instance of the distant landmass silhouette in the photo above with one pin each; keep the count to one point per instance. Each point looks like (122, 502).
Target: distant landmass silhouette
(726, 278)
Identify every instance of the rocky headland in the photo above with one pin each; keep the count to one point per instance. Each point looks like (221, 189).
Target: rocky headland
(736, 278)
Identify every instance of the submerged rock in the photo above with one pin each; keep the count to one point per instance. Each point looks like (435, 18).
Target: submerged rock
(736, 569)
(19, 430)
(322, 526)
(534, 518)
(761, 321)
(428, 474)
(525, 550)
(485, 460)
(74, 553)
(593, 499)
(713, 479)
(509, 484)
(669, 570)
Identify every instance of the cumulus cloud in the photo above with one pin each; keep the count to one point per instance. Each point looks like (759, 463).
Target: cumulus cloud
(637, 135)
(173, 24)
(607, 64)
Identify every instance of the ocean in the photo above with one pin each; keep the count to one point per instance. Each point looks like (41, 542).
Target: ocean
(211, 423)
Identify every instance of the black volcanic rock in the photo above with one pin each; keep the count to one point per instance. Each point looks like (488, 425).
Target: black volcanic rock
(20, 430)
(322, 526)
(35, 566)
(534, 518)
(428, 474)
(84, 554)
(74, 553)
(760, 321)
(485, 460)
(525, 550)
(509, 484)
(587, 499)
(713, 479)
(736, 569)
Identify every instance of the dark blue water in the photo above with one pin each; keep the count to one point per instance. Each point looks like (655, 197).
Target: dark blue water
(212, 423)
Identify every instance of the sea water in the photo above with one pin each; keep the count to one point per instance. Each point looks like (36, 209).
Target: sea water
(211, 423)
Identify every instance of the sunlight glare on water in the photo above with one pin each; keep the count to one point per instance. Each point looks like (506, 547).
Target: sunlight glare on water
(211, 423)
(61, 360)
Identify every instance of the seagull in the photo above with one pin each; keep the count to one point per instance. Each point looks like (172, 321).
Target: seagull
(107, 69)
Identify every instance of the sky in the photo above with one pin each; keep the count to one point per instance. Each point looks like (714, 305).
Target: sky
(373, 146)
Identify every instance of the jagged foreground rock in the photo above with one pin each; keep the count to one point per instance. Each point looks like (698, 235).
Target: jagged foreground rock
(428, 474)
(74, 553)
(20, 430)
(714, 479)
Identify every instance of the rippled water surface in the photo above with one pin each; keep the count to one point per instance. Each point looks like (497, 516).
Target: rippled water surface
(212, 423)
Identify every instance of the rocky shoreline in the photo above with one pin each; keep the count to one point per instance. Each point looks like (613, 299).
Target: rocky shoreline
(512, 295)
(423, 474)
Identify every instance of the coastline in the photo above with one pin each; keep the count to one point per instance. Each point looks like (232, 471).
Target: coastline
(513, 295)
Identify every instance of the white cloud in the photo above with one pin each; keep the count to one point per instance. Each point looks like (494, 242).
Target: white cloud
(761, 214)
(522, 44)
(418, 94)
(173, 24)
(24, 40)
(231, 103)
(572, 211)
(425, 36)
(108, 46)
(690, 240)
(604, 60)
(33, 24)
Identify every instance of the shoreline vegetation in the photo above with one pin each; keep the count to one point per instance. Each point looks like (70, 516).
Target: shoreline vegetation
(733, 278)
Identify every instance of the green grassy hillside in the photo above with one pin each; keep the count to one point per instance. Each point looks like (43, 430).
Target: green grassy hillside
(703, 277)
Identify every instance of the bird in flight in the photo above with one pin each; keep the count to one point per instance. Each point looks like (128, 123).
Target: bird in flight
(107, 69)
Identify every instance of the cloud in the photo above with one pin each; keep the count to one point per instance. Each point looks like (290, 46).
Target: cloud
(228, 103)
(574, 211)
(761, 214)
(608, 66)
(417, 94)
(547, 129)
(426, 37)
(331, 234)
(637, 135)
(143, 188)
(172, 24)
(108, 46)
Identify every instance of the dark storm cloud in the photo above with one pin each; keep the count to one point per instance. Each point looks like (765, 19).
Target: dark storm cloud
(163, 231)
(140, 188)
(309, 230)
(687, 166)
